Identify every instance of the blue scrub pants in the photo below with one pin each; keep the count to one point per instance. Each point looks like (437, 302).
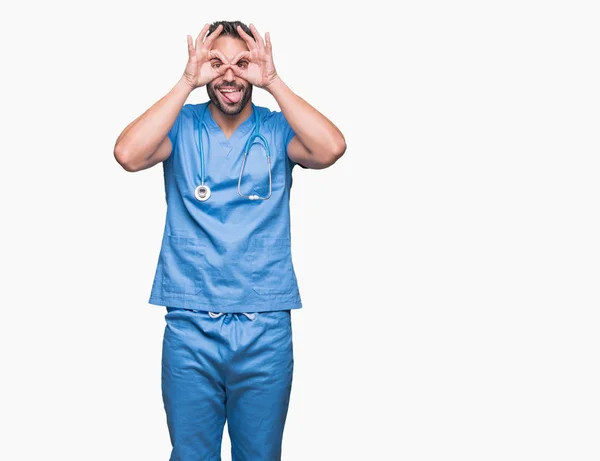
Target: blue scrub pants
(235, 367)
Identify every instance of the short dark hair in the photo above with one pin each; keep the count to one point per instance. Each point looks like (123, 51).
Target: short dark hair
(230, 28)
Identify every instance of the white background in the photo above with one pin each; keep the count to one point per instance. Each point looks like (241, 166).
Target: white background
(448, 263)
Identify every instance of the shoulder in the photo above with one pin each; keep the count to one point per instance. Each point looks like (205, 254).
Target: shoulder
(189, 109)
(271, 119)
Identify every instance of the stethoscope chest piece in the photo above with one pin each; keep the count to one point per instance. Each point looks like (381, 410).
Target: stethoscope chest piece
(202, 192)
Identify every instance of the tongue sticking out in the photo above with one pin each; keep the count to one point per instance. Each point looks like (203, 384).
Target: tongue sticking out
(232, 96)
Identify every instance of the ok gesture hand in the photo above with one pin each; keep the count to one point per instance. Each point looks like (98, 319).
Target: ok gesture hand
(255, 65)
(200, 70)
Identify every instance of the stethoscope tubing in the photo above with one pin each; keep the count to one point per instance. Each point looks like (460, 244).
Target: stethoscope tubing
(252, 139)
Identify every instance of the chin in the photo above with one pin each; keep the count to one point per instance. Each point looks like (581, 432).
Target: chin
(231, 109)
(224, 106)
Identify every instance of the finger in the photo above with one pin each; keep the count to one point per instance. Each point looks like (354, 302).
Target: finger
(219, 55)
(211, 38)
(216, 54)
(268, 40)
(223, 68)
(201, 35)
(190, 45)
(257, 37)
(239, 72)
(249, 40)
(219, 71)
(240, 55)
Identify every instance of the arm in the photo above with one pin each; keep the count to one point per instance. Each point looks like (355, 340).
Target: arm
(144, 142)
(318, 143)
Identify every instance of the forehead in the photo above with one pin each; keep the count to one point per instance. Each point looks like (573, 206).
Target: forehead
(229, 46)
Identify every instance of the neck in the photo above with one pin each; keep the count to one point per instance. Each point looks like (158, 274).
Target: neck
(229, 123)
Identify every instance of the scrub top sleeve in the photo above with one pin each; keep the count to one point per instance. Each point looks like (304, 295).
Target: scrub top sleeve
(286, 129)
(174, 131)
(287, 133)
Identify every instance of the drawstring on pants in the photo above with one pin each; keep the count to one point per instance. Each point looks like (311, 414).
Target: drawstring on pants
(216, 315)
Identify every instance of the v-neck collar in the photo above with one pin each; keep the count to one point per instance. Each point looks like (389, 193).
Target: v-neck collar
(239, 132)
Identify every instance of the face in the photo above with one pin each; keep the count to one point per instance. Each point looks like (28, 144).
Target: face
(229, 93)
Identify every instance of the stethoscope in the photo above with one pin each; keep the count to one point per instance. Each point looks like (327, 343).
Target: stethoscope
(202, 192)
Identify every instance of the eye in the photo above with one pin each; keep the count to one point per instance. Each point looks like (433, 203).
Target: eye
(242, 64)
(216, 63)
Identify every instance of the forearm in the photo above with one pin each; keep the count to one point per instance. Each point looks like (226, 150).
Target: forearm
(142, 136)
(315, 131)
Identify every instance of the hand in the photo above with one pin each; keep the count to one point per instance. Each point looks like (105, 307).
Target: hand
(255, 65)
(200, 70)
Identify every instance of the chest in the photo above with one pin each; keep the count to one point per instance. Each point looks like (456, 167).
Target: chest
(224, 167)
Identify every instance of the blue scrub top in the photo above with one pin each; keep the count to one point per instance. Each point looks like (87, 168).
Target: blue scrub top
(229, 253)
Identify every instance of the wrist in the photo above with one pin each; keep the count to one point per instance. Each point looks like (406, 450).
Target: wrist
(184, 85)
(275, 86)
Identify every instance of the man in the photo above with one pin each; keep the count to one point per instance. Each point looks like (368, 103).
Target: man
(224, 272)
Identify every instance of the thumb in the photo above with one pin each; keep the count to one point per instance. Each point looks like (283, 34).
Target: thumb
(238, 71)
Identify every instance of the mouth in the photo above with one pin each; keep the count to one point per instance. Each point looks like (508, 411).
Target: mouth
(231, 95)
